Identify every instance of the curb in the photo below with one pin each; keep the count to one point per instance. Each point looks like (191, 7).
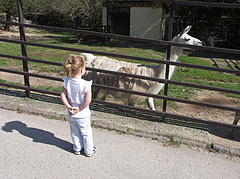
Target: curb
(174, 140)
(111, 126)
(24, 109)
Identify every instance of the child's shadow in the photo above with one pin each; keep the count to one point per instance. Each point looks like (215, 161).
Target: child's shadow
(37, 135)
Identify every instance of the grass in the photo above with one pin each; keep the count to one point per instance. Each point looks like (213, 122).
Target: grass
(182, 74)
(49, 88)
(13, 83)
(191, 73)
(4, 62)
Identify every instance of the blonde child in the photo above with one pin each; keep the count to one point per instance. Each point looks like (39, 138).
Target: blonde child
(76, 96)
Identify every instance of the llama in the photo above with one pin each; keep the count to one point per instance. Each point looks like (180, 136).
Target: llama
(140, 85)
(211, 41)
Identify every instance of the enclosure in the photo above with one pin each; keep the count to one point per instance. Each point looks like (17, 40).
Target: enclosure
(212, 54)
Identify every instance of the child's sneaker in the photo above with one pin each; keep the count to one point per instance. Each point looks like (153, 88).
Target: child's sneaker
(94, 151)
(76, 152)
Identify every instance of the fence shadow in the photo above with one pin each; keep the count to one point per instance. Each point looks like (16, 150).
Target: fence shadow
(224, 132)
(141, 115)
(147, 116)
(37, 135)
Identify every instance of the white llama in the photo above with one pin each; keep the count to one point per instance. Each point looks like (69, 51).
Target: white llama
(140, 85)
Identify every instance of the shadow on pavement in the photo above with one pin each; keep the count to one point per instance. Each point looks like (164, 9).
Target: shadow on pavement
(224, 132)
(48, 138)
(37, 135)
(113, 110)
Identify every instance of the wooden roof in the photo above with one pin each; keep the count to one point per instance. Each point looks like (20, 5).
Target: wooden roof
(131, 3)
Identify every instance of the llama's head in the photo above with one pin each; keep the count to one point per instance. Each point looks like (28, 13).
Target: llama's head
(184, 38)
(88, 58)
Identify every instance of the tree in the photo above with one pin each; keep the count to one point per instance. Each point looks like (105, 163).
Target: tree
(210, 21)
(81, 12)
(8, 8)
(84, 12)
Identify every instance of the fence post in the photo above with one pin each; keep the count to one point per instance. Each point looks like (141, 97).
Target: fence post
(23, 46)
(170, 30)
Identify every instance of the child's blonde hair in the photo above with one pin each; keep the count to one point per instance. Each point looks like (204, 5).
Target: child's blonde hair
(72, 65)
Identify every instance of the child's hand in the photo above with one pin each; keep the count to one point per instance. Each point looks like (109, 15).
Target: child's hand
(73, 110)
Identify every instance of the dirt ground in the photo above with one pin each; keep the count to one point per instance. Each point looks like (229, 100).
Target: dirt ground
(183, 109)
(207, 113)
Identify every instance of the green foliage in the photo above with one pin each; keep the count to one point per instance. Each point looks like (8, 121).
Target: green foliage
(82, 13)
(49, 88)
(180, 91)
(210, 21)
(13, 83)
(8, 5)
(4, 62)
(191, 73)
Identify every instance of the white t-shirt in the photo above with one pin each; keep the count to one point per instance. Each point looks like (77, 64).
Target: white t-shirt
(76, 89)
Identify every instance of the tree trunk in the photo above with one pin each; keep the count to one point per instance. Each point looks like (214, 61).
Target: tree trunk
(8, 18)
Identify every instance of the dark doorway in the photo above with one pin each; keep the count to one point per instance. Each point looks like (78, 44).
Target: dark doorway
(119, 20)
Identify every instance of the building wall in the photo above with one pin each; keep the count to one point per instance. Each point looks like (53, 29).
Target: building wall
(145, 22)
(104, 16)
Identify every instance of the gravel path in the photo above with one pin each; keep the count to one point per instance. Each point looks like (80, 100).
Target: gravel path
(35, 147)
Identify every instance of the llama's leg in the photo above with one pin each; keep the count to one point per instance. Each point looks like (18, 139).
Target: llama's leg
(150, 103)
(95, 93)
(130, 103)
(104, 96)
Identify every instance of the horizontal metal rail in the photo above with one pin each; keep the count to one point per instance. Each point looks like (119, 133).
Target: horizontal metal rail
(130, 75)
(170, 115)
(124, 37)
(135, 39)
(131, 91)
(159, 80)
(197, 3)
(29, 89)
(147, 78)
(31, 74)
(168, 98)
(22, 58)
(115, 55)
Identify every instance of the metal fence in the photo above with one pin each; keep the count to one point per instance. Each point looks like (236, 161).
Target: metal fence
(25, 59)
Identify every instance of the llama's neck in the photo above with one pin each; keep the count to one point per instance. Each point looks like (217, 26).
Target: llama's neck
(161, 69)
(175, 53)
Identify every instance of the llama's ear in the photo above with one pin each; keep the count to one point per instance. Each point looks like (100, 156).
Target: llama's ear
(186, 30)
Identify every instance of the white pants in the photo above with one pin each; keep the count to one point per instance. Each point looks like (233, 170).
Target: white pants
(81, 132)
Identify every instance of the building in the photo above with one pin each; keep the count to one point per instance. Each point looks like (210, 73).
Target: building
(134, 18)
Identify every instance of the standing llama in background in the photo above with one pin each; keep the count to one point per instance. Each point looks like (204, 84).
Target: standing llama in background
(146, 86)
(211, 41)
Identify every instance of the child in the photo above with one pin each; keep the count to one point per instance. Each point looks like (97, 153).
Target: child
(76, 96)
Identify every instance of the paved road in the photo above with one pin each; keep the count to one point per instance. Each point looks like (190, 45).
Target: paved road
(36, 147)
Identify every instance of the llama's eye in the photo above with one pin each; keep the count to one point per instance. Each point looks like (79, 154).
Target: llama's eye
(186, 39)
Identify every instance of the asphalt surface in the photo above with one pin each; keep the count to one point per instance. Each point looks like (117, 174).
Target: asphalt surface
(36, 147)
